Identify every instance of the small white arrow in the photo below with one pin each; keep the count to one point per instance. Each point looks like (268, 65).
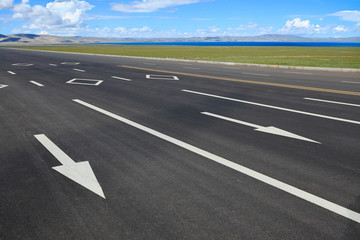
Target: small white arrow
(2, 86)
(271, 130)
(80, 172)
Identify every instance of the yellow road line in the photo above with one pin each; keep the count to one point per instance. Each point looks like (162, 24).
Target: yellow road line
(249, 81)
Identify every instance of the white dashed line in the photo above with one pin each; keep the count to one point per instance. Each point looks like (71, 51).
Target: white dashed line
(350, 82)
(125, 79)
(327, 101)
(11, 72)
(79, 70)
(54, 65)
(37, 84)
(335, 208)
(274, 107)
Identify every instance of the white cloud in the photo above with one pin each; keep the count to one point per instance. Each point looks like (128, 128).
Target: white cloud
(150, 5)
(4, 4)
(340, 28)
(58, 15)
(303, 27)
(352, 16)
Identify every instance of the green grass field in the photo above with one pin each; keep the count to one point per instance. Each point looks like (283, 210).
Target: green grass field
(343, 57)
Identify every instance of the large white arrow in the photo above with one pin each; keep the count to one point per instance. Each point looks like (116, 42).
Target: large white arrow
(271, 130)
(80, 172)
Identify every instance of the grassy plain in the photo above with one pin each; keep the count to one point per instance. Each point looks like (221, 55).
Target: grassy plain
(343, 57)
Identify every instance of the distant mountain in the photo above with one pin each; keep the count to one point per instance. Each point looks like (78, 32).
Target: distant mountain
(34, 39)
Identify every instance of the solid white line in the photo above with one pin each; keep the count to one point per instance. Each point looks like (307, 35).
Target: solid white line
(347, 213)
(79, 70)
(350, 82)
(11, 72)
(327, 101)
(274, 107)
(125, 79)
(256, 74)
(36, 83)
(305, 73)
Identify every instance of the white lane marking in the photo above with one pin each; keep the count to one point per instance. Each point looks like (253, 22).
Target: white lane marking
(52, 64)
(350, 82)
(125, 79)
(347, 213)
(36, 83)
(153, 64)
(79, 70)
(70, 63)
(194, 68)
(274, 107)
(270, 129)
(256, 74)
(3, 86)
(79, 172)
(22, 64)
(161, 77)
(83, 81)
(327, 101)
(305, 73)
(11, 72)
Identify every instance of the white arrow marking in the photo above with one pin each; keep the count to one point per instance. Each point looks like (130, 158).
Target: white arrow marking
(321, 202)
(80, 172)
(274, 107)
(2, 86)
(271, 130)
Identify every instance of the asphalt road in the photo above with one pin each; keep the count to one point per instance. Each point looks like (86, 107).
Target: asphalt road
(141, 152)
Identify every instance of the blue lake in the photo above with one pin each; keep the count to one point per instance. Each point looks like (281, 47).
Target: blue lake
(258, 44)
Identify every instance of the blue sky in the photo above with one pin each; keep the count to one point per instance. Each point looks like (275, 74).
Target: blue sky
(181, 18)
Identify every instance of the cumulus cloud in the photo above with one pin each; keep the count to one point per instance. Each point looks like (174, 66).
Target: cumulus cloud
(150, 5)
(352, 16)
(4, 4)
(302, 27)
(60, 14)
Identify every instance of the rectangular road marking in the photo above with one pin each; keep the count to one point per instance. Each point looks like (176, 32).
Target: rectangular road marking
(350, 82)
(248, 81)
(274, 107)
(327, 101)
(36, 83)
(256, 74)
(347, 213)
(11, 72)
(79, 70)
(125, 79)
